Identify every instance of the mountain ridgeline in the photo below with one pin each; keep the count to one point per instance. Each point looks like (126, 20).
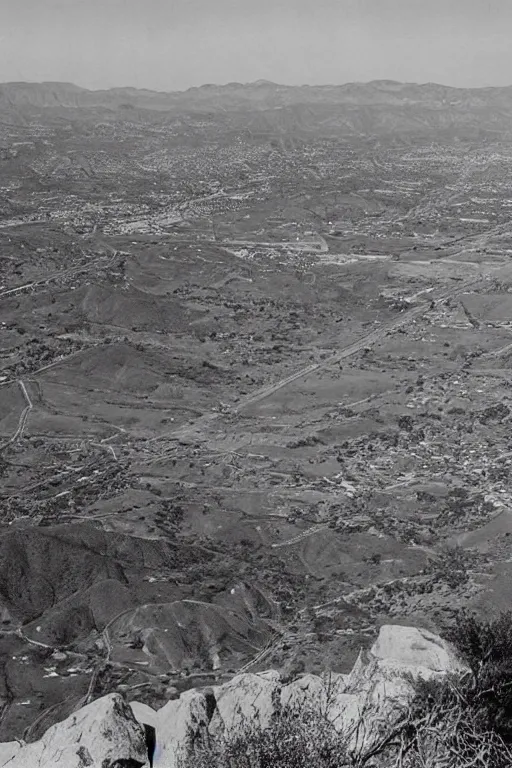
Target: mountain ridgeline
(380, 107)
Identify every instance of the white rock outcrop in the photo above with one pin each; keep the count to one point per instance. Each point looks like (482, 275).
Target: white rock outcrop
(8, 750)
(177, 722)
(246, 697)
(108, 732)
(417, 649)
(358, 704)
(103, 734)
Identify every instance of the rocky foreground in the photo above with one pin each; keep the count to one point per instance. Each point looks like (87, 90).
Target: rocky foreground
(109, 733)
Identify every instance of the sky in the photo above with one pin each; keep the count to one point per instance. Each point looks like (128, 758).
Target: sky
(175, 44)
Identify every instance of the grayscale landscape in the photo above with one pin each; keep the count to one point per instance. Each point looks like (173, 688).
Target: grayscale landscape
(255, 403)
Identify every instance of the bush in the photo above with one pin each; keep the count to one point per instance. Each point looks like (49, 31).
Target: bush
(466, 720)
(445, 730)
(486, 647)
(452, 567)
(457, 721)
(295, 738)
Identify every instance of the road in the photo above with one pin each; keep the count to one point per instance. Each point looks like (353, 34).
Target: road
(199, 426)
(22, 421)
(27, 734)
(301, 536)
(62, 273)
(26, 411)
(271, 646)
(19, 633)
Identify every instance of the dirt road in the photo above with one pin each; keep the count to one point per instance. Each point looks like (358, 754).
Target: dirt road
(22, 421)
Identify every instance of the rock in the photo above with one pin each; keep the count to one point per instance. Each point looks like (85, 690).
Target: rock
(143, 713)
(59, 656)
(8, 751)
(417, 649)
(309, 689)
(103, 734)
(246, 696)
(380, 683)
(359, 705)
(179, 723)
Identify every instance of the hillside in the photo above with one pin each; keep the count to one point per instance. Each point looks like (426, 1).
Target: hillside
(255, 347)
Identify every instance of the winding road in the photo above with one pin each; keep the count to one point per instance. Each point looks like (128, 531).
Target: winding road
(22, 421)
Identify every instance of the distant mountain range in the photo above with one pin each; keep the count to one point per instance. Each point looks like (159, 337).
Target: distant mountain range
(262, 94)
(380, 106)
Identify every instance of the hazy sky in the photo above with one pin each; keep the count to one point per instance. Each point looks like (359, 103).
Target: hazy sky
(174, 44)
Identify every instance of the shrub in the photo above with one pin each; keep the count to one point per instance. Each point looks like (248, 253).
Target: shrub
(466, 720)
(452, 567)
(445, 730)
(457, 721)
(486, 647)
(295, 738)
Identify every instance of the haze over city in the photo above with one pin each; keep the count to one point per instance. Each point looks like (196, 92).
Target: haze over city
(175, 45)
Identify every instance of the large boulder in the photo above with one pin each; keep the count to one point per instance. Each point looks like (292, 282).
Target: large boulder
(8, 750)
(379, 687)
(181, 723)
(416, 650)
(312, 691)
(246, 697)
(103, 734)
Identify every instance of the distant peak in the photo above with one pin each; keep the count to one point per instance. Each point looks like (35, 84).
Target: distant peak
(264, 82)
(385, 82)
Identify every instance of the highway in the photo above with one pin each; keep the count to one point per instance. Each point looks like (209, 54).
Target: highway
(59, 275)
(199, 426)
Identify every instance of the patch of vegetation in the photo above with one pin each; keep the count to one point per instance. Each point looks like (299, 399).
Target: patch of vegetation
(458, 721)
(294, 738)
(452, 566)
(466, 720)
